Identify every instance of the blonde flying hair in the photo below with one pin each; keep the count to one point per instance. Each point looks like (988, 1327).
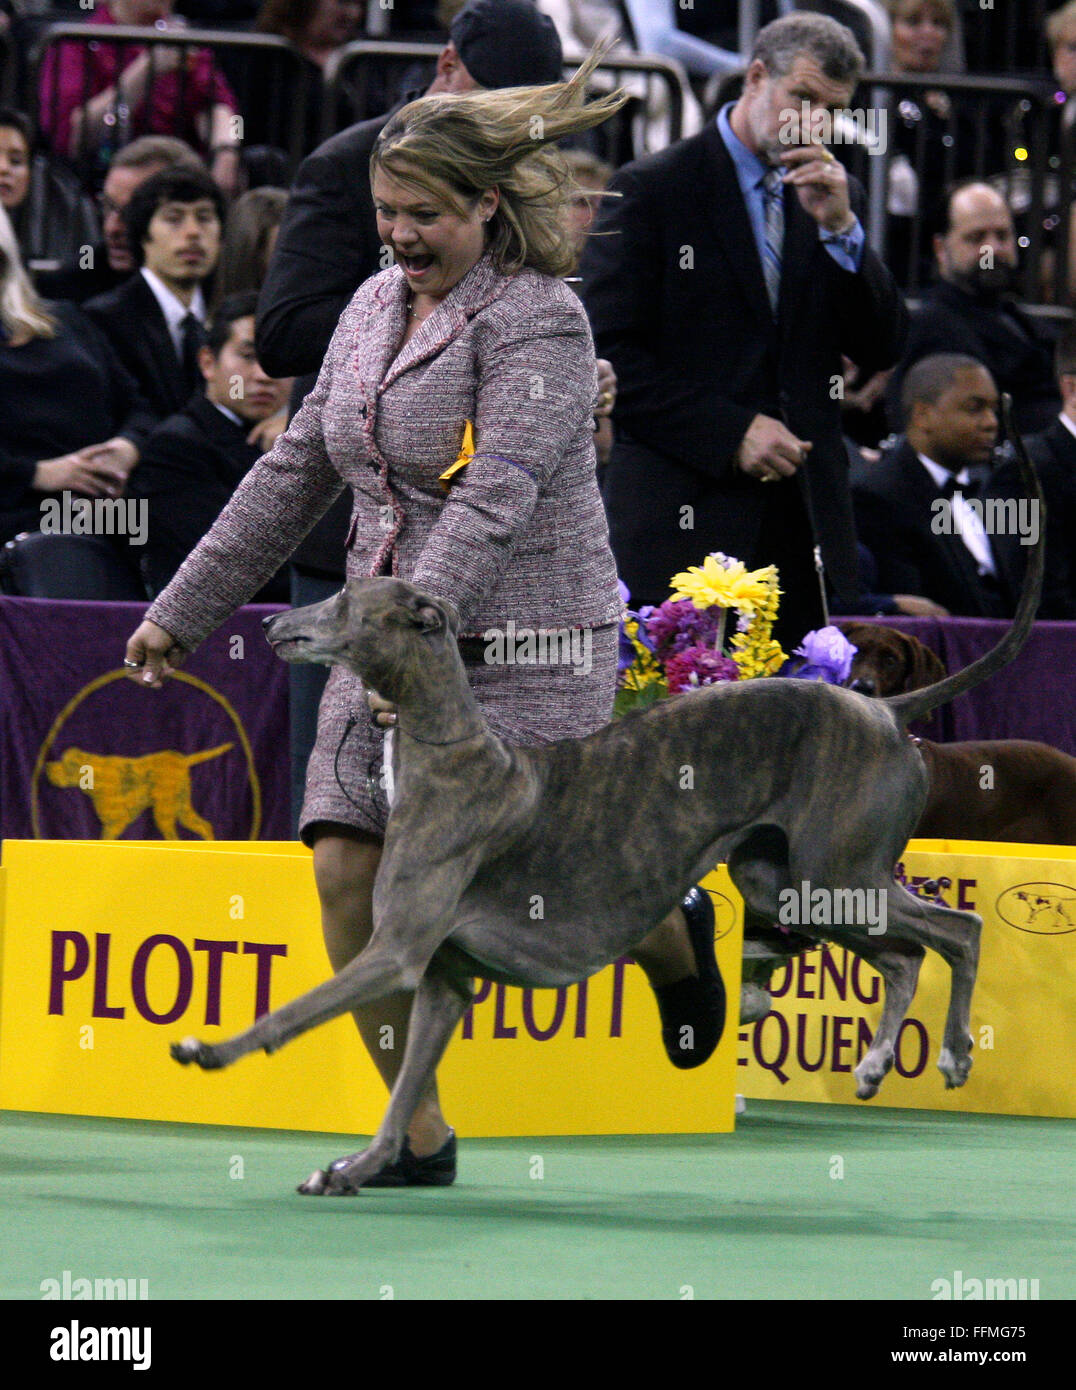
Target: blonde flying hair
(21, 311)
(456, 146)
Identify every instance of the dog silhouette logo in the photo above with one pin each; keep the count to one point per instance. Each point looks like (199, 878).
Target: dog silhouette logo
(120, 789)
(102, 773)
(1044, 909)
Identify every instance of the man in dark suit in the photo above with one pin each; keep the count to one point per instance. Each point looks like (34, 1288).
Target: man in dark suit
(1054, 455)
(328, 245)
(971, 309)
(918, 509)
(194, 461)
(156, 319)
(724, 284)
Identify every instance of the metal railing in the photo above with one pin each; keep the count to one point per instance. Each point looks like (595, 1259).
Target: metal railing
(278, 83)
(369, 77)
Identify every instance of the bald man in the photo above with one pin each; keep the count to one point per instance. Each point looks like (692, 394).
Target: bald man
(972, 310)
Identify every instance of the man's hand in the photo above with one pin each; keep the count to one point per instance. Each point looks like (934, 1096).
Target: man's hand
(603, 407)
(266, 433)
(770, 450)
(918, 607)
(822, 184)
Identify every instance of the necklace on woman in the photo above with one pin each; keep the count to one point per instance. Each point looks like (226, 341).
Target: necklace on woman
(411, 309)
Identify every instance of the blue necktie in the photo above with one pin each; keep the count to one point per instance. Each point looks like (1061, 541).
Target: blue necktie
(774, 199)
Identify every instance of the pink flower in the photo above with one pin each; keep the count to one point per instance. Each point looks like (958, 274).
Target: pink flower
(696, 667)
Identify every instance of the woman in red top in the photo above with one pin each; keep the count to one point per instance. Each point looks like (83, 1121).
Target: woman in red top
(97, 98)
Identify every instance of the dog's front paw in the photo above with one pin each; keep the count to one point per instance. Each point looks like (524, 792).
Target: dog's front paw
(191, 1050)
(344, 1177)
(954, 1069)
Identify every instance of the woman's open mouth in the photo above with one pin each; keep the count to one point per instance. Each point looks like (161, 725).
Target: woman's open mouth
(414, 265)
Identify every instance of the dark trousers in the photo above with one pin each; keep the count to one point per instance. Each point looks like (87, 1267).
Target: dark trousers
(306, 683)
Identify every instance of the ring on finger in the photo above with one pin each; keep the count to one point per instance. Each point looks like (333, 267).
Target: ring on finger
(132, 665)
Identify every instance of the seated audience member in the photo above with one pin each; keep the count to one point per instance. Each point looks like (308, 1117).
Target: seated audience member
(155, 320)
(912, 509)
(194, 461)
(72, 417)
(1061, 35)
(316, 29)
(249, 239)
(15, 142)
(97, 97)
(1054, 455)
(703, 38)
(972, 309)
(110, 262)
(53, 218)
(932, 139)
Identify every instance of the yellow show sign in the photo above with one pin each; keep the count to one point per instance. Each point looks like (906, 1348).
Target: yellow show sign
(110, 952)
(1023, 1017)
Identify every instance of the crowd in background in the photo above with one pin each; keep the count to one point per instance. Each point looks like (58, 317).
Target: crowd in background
(141, 194)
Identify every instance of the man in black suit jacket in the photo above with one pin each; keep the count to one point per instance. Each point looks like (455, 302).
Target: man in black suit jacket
(1054, 455)
(913, 510)
(971, 310)
(155, 320)
(196, 459)
(728, 419)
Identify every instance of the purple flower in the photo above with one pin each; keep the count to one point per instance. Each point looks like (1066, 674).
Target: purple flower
(678, 625)
(827, 655)
(698, 666)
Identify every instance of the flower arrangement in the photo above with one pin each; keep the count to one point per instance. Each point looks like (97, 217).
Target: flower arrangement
(680, 645)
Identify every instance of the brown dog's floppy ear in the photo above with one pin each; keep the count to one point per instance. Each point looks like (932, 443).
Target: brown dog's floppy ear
(924, 666)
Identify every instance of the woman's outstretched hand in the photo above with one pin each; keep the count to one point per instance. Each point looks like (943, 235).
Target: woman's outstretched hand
(152, 654)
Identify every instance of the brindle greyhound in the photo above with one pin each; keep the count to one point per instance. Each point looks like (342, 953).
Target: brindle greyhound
(793, 781)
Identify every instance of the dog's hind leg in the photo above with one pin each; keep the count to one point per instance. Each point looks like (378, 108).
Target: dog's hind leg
(440, 1002)
(898, 964)
(955, 936)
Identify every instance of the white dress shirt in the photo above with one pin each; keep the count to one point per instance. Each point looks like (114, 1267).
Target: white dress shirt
(966, 520)
(173, 309)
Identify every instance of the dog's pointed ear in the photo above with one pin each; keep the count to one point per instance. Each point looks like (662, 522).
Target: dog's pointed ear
(434, 614)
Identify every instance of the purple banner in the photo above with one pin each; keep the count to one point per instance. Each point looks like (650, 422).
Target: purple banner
(87, 753)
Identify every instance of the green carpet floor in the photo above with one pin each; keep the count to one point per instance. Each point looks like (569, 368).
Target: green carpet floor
(753, 1215)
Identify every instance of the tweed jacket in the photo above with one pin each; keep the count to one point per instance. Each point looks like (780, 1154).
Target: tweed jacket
(518, 533)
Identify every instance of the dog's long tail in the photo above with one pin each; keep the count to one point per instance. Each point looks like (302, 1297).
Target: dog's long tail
(917, 703)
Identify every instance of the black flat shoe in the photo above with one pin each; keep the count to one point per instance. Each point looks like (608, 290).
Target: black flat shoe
(435, 1170)
(693, 1009)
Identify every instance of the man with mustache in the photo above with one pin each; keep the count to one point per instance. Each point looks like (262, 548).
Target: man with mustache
(972, 311)
(156, 319)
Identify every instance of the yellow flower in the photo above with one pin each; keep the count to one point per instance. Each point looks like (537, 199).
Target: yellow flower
(735, 587)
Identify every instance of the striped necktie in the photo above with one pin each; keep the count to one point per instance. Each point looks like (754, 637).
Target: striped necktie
(774, 197)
